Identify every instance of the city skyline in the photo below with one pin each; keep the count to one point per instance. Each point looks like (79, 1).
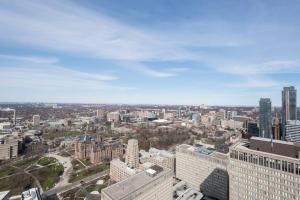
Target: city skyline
(214, 53)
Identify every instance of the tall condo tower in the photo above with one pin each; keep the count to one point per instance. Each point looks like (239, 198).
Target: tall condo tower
(132, 154)
(265, 118)
(289, 106)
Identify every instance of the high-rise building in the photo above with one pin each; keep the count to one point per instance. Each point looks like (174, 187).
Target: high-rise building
(292, 131)
(263, 168)
(289, 106)
(36, 120)
(253, 129)
(265, 118)
(203, 170)
(154, 183)
(132, 153)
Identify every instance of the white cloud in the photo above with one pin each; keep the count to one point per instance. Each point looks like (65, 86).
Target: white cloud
(68, 27)
(35, 59)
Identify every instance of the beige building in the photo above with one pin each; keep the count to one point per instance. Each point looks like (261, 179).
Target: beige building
(159, 157)
(263, 169)
(132, 153)
(113, 117)
(36, 120)
(120, 171)
(152, 184)
(204, 170)
(8, 147)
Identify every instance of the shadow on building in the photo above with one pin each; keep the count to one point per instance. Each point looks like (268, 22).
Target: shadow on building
(216, 185)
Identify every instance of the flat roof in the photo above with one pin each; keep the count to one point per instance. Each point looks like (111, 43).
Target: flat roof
(132, 184)
(4, 194)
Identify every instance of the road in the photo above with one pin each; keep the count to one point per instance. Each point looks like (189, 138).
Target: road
(70, 186)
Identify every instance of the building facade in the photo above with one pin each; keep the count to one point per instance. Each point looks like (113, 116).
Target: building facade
(8, 147)
(203, 170)
(263, 169)
(132, 153)
(120, 171)
(97, 150)
(289, 106)
(265, 118)
(292, 131)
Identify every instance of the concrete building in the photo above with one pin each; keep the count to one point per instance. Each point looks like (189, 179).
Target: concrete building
(36, 120)
(31, 194)
(289, 106)
(113, 117)
(96, 149)
(265, 118)
(159, 157)
(132, 154)
(292, 131)
(5, 195)
(120, 171)
(203, 169)
(262, 168)
(8, 147)
(152, 184)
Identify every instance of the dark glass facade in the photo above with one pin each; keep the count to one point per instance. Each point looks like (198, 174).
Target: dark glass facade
(265, 118)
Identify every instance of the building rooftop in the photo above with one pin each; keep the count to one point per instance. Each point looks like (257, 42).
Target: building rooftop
(266, 145)
(128, 187)
(123, 166)
(190, 194)
(4, 194)
(31, 194)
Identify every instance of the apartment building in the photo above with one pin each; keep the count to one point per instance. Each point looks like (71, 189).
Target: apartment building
(263, 169)
(154, 183)
(8, 147)
(203, 169)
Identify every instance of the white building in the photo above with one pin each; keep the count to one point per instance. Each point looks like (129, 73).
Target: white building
(159, 157)
(152, 184)
(264, 169)
(292, 131)
(203, 170)
(132, 154)
(120, 171)
(36, 120)
(31, 194)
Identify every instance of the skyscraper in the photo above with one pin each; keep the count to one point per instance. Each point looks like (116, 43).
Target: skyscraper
(289, 106)
(132, 154)
(265, 118)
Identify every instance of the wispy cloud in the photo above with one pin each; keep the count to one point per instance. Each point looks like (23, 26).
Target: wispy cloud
(35, 59)
(68, 27)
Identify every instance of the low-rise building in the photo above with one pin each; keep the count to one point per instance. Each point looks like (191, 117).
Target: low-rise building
(154, 183)
(120, 171)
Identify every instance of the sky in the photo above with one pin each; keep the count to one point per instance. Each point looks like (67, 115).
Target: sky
(220, 52)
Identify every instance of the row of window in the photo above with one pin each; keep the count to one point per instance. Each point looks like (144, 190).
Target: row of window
(266, 162)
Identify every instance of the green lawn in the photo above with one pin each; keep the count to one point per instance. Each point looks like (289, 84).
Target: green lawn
(27, 162)
(47, 160)
(52, 136)
(6, 171)
(77, 165)
(88, 172)
(17, 183)
(48, 176)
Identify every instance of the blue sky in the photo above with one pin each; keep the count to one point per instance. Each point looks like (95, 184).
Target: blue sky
(166, 52)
